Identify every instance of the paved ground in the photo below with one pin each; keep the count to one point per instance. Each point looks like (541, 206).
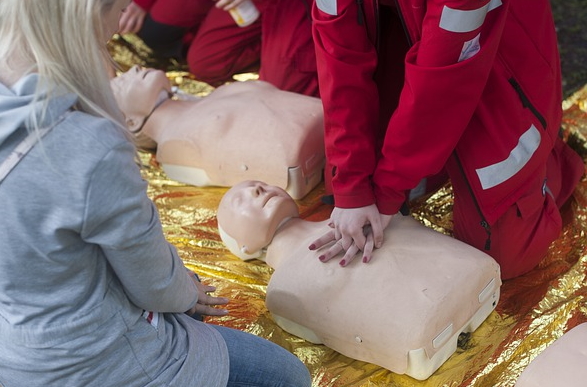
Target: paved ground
(571, 20)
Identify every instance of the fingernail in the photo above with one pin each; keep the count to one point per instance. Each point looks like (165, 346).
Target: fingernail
(342, 263)
(322, 258)
(312, 247)
(365, 259)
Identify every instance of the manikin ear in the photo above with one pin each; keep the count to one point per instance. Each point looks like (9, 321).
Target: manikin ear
(240, 251)
(142, 141)
(134, 123)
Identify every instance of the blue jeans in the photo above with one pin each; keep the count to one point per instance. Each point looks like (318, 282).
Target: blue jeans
(257, 362)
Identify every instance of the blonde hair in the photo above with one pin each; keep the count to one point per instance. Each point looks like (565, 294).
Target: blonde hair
(62, 41)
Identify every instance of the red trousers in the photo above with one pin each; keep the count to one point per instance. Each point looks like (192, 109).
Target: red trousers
(521, 237)
(279, 45)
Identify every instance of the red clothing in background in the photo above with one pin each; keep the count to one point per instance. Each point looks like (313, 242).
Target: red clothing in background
(279, 44)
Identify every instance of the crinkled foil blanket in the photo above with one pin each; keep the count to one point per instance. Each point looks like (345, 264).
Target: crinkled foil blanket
(533, 311)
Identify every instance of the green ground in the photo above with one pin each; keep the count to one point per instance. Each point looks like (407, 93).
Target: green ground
(571, 20)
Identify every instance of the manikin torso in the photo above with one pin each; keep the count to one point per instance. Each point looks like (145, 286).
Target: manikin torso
(240, 131)
(403, 310)
(562, 363)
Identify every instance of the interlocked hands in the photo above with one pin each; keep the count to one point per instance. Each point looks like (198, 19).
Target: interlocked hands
(354, 230)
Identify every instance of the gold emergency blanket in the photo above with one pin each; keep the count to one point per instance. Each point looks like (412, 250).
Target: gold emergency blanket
(533, 310)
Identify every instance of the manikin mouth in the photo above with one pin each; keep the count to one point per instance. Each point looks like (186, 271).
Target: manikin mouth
(268, 197)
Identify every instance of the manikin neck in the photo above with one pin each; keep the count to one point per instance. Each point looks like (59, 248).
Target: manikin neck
(169, 112)
(164, 96)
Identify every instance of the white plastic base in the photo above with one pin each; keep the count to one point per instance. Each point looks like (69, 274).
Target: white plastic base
(298, 184)
(420, 366)
(187, 175)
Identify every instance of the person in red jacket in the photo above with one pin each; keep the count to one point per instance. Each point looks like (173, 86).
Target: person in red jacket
(279, 44)
(412, 88)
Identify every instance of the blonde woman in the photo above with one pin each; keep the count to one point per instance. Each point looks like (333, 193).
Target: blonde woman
(91, 293)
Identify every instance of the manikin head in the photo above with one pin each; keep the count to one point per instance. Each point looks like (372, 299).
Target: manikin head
(250, 213)
(138, 91)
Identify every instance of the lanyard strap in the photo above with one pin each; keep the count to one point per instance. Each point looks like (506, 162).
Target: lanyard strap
(25, 146)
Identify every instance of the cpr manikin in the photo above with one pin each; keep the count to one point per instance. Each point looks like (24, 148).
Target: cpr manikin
(404, 310)
(243, 130)
(562, 363)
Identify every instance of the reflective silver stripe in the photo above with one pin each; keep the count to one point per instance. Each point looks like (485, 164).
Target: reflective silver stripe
(455, 20)
(494, 4)
(470, 48)
(496, 174)
(327, 6)
(546, 190)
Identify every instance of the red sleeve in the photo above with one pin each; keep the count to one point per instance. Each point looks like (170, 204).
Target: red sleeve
(346, 60)
(446, 72)
(145, 4)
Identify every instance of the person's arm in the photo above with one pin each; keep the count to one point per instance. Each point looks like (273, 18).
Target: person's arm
(131, 20)
(346, 61)
(123, 222)
(446, 72)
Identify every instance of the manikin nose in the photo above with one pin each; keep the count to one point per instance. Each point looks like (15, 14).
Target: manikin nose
(259, 189)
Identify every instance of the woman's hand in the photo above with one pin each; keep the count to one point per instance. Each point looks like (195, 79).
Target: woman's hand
(349, 223)
(206, 302)
(337, 248)
(352, 251)
(131, 20)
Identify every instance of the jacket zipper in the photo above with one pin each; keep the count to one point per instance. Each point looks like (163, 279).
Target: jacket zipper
(308, 7)
(377, 23)
(483, 221)
(402, 19)
(526, 102)
(360, 13)
(362, 20)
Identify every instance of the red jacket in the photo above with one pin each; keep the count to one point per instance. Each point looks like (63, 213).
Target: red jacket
(482, 85)
(145, 4)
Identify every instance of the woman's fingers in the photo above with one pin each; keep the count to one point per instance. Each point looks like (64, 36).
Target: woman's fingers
(339, 247)
(331, 252)
(322, 241)
(350, 255)
(369, 246)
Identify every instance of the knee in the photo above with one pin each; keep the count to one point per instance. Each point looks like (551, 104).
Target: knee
(512, 267)
(518, 253)
(301, 377)
(209, 70)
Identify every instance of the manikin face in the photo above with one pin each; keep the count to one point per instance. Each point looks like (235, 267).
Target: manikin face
(138, 91)
(251, 211)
